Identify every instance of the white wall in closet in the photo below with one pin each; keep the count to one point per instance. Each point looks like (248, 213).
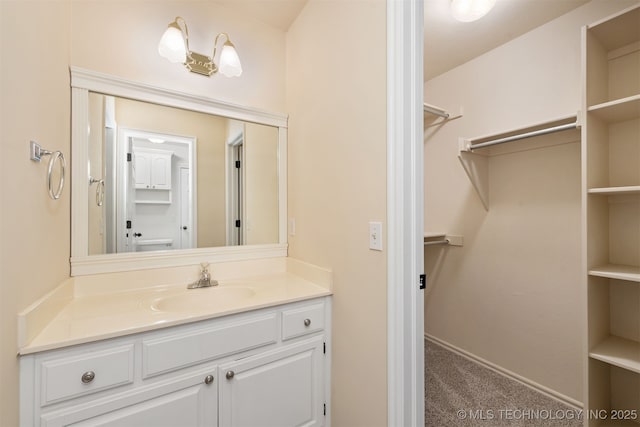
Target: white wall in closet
(511, 295)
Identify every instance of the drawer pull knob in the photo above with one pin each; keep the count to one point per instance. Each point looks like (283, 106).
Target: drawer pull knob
(208, 379)
(230, 375)
(87, 377)
(307, 322)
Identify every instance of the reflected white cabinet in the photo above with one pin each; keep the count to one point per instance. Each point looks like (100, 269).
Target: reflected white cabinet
(267, 367)
(153, 169)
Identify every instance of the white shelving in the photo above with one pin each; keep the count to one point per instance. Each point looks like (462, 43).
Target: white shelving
(614, 191)
(617, 271)
(611, 185)
(618, 352)
(619, 110)
(474, 155)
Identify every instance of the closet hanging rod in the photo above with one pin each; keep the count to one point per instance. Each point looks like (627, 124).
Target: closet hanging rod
(437, 242)
(524, 135)
(435, 110)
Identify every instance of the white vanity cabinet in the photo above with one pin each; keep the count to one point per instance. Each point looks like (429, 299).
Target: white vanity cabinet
(153, 169)
(185, 400)
(267, 367)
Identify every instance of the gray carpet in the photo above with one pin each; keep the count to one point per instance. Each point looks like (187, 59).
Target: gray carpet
(460, 392)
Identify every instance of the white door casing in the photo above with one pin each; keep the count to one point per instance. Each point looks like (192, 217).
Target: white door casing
(405, 210)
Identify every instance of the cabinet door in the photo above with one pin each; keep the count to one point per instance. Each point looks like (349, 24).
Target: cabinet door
(189, 401)
(161, 172)
(142, 169)
(281, 388)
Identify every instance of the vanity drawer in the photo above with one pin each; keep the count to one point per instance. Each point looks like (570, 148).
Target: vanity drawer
(168, 353)
(302, 321)
(67, 377)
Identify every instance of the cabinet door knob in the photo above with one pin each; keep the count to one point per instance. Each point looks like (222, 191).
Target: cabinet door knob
(307, 322)
(208, 379)
(88, 376)
(230, 375)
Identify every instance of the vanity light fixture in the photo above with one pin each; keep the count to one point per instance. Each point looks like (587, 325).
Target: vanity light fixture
(470, 10)
(174, 45)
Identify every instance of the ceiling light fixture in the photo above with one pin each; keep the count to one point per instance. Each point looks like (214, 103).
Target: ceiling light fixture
(174, 45)
(470, 10)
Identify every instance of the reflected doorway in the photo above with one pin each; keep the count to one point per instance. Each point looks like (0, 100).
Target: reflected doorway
(157, 205)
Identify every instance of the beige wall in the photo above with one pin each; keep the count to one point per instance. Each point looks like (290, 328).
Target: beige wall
(261, 179)
(336, 62)
(35, 231)
(40, 39)
(512, 294)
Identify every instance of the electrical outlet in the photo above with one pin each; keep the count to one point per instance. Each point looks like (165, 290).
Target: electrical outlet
(375, 236)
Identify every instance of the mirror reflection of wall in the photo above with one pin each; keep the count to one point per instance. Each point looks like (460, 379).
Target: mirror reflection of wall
(160, 212)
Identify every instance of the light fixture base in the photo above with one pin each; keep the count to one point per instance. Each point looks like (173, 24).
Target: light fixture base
(200, 64)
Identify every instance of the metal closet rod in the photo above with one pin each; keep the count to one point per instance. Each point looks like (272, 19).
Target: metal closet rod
(435, 110)
(524, 135)
(437, 242)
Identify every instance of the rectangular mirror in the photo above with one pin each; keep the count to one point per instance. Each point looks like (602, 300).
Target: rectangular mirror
(161, 175)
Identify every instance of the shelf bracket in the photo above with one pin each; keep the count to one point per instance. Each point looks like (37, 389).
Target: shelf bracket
(477, 168)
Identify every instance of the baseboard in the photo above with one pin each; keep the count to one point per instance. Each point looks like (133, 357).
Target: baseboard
(507, 373)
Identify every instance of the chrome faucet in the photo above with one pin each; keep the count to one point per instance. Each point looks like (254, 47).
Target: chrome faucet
(205, 278)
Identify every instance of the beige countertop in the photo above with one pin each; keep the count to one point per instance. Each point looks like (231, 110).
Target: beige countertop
(81, 317)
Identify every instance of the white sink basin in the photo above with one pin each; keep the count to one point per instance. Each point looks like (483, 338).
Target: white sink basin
(215, 297)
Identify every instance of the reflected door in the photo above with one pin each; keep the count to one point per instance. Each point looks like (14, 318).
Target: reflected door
(128, 231)
(186, 227)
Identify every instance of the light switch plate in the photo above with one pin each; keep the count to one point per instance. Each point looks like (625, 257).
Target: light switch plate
(375, 236)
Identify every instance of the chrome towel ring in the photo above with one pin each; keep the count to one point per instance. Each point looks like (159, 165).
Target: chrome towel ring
(56, 157)
(99, 190)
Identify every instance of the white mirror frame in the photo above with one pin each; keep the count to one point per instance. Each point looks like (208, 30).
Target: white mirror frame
(85, 81)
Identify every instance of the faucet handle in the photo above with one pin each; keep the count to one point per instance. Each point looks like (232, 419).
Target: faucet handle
(204, 266)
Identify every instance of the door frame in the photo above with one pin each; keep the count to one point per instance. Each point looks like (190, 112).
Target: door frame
(405, 212)
(123, 146)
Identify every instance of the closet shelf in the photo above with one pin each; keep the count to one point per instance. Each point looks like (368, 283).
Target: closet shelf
(619, 110)
(619, 352)
(617, 31)
(612, 191)
(558, 131)
(617, 271)
(434, 235)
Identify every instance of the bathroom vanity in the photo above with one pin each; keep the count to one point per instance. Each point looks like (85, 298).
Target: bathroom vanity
(124, 342)
(250, 352)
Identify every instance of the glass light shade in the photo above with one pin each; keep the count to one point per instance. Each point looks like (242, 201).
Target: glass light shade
(229, 61)
(172, 45)
(470, 10)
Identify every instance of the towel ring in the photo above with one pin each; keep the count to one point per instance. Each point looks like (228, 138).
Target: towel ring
(56, 157)
(99, 190)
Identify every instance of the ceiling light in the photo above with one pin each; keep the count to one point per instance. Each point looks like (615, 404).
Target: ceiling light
(156, 140)
(174, 45)
(470, 10)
